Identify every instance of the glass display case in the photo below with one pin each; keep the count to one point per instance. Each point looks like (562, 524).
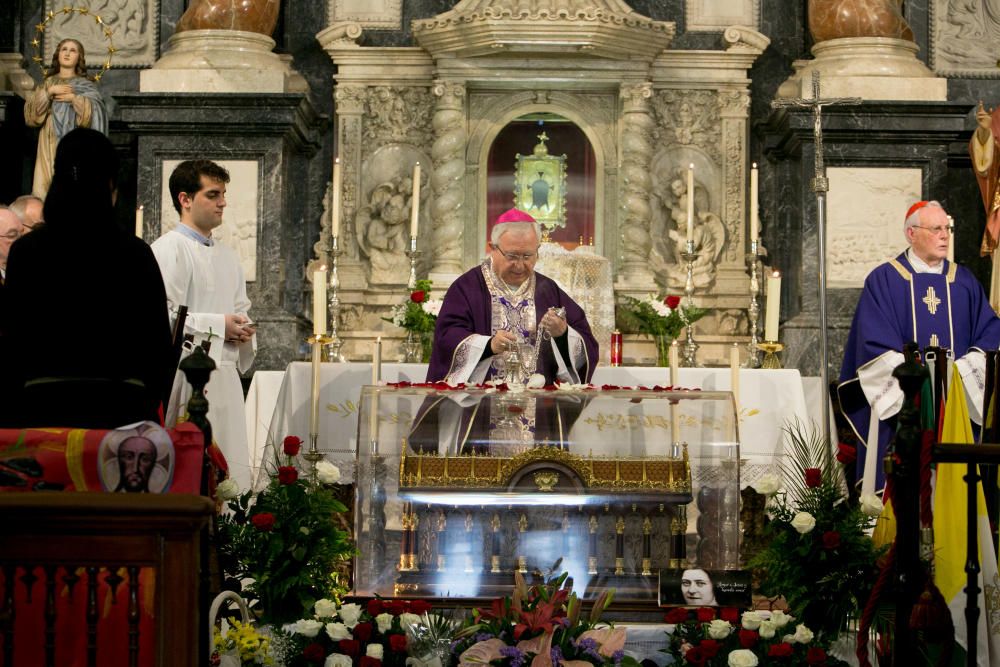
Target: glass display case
(459, 488)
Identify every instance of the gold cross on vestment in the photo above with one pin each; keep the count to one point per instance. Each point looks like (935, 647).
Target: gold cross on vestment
(935, 342)
(931, 300)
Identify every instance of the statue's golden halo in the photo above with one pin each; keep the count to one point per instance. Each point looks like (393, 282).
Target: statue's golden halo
(36, 43)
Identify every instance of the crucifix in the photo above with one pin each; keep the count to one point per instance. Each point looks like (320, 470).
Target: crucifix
(820, 186)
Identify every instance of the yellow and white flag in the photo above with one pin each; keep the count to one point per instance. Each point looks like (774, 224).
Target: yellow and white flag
(950, 532)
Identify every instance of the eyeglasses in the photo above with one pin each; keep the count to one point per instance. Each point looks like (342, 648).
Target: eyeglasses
(946, 230)
(512, 257)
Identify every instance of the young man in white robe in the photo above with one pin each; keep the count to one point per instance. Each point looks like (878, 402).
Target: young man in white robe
(206, 277)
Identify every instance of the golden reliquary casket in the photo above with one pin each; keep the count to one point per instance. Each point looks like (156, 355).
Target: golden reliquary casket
(459, 488)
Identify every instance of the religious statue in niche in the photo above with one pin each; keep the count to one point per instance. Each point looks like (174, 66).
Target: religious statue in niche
(382, 228)
(540, 186)
(709, 233)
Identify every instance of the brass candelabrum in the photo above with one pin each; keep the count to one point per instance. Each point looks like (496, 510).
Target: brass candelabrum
(333, 348)
(753, 260)
(771, 348)
(414, 255)
(689, 359)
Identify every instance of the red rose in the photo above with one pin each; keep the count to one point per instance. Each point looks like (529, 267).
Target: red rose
(368, 661)
(263, 521)
(816, 656)
(314, 653)
(748, 638)
(676, 615)
(672, 302)
(831, 539)
(695, 656)
(292, 445)
(813, 477)
(350, 647)
(374, 607)
(420, 607)
(782, 650)
(397, 643)
(705, 614)
(287, 474)
(362, 631)
(730, 614)
(418, 296)
(394, 607)
(709, 648)
(847, 453)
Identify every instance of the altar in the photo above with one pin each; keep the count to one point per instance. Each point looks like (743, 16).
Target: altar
(278, 405)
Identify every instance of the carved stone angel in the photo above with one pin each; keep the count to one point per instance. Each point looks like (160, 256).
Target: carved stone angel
(709, 238)
(382, 227)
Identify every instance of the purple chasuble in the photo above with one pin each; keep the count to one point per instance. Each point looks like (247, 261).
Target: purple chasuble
(467, 310)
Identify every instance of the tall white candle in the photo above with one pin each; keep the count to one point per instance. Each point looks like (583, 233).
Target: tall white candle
(773, 306)
(754, 220)
(951, 240)
(734, 372)
(138, 222)
(376, 376)
(317, 349)
(690, 202)
(415, 203)
(319, 302)
(335, 203)
(675, 363)
(377, 360)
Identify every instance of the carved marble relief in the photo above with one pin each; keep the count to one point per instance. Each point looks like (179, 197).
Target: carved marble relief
(398, 114)
(381, 14)
(134, 25)
(961, 36)
(720, 14)
(688, 118)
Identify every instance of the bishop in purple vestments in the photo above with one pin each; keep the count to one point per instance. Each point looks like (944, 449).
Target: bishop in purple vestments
(503, 302)
(918, 296)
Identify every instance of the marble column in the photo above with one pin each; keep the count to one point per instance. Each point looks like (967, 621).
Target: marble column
(447, 181)
(636, 185)
(350, 105)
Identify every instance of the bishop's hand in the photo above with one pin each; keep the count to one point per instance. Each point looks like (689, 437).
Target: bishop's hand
(554, 321)
(502, 341)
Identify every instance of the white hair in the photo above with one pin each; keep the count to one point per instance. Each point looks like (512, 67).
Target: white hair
(519, 227)
(914, 219)
(21, 203)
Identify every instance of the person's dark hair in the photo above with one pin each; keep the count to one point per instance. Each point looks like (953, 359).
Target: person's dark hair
(81, 64)
(186, 178)
(84, 177)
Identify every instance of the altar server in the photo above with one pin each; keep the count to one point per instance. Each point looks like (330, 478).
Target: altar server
(206, 277)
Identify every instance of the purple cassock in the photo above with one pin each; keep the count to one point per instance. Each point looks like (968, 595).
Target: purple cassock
(478, 304)
(897, 306)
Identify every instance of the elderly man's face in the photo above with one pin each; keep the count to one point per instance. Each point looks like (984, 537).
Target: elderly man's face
(522, 246)
(136, 458)
(32, 214)
(10, 231)
(930, 239)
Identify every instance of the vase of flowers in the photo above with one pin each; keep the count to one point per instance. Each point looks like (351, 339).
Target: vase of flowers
(285, 538)
(418, 315)
(661, 318)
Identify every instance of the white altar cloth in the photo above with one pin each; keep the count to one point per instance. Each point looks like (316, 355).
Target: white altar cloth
(769, 400)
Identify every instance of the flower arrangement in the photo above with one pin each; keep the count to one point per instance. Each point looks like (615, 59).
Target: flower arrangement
(419, 313)
(285, 538)
(541, 626)
(662, 318)
(241, 644)
(818, 553)
(346, 635)
(702, 638)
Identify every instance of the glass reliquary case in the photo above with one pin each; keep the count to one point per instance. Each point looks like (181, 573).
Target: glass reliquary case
(459, 488)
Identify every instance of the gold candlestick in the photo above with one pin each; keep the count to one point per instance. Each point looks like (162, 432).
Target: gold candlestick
(771, 349)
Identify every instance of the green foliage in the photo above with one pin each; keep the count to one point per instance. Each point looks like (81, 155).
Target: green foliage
(419, 312)
(652, 316)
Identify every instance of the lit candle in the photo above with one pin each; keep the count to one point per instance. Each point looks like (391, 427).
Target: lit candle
(754, 221)
(951, 240)
(734, 372)
(377, 360)
(415, 204)
(335, 204)
(319, 302)
(138, 222)
(773, 306)
(690, 202)
(675, 424)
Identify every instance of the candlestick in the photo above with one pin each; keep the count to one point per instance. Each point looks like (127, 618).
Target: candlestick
(313, 455)
(690, 346)
(319, 301)
(138, 222)
(773, 306)
(754, 220)
(771, 350)
(951, 240)
(335, 197)
(335, 344)
(675, 425)
(690, 204)
(414, 255)
(415, 202)
(734, 372)
(754, 259)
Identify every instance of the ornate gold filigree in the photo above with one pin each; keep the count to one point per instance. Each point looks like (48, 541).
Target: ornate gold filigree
(546, 480)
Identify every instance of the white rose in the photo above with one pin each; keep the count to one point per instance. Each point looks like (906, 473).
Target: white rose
(406, 620)
(780, 618)
(432, 307)
(803, 522)
(767, 485)
(871, 504)
(338, 631)
(384, 622)
(325, 608)
(742, 658)
(350, 614)
(305, 627)
(227, 489)
(767, 629)
(803, 635)
(327, 472)
(338, 660)
(536, 381)
(719, 629)
(751, 620)
(374, 651)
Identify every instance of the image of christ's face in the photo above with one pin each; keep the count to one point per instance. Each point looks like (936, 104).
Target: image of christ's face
(523, 247)
(136, 458)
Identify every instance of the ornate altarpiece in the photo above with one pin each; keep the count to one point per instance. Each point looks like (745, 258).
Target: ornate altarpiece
(647, 111)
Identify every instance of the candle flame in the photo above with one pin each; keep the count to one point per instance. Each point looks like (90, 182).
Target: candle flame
(776, 273)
